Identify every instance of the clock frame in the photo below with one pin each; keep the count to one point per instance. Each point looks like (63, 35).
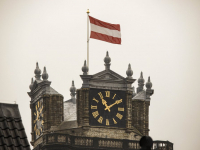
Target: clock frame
(107, 108)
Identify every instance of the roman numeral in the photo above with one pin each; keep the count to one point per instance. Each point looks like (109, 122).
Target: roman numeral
(120, 109)
(107, 122)
(100, 119)
(95, 100)
(107, 93)
(115, 122)
(93, 107)
(119, 116)
(35, 127)
(114, 96)
(95, 114)
(100, 95)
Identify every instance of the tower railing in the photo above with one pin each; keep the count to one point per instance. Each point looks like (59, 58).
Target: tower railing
(55, 141)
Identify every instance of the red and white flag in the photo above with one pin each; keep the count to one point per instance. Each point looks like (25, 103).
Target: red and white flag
(105, 31)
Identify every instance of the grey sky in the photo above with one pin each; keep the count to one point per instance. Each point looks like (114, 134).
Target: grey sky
(160, 38)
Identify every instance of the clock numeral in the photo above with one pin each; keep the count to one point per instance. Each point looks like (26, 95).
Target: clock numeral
(114, 96)
(100, 119)
(120, 109)
(38, 104)
(42, 122)
(107, 93)
(36, 107)
(100, 95)
(93, 107)
(41, 130)
(107, 122)
(95, 100)
(119, 116)
(95, 114)
(115, 122)
(35, 127)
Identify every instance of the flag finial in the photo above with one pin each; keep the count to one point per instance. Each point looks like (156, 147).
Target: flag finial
(88, 11)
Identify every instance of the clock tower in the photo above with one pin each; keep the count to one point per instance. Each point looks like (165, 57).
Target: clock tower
(104, 103)
(109, 113)
(46, 106)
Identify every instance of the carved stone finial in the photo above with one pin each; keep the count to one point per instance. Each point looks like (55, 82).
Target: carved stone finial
(107, 61)
(73, 90)
(148, 84)
(45, 74)
(141, 80)
(31, 85)
(129, 72)
(37, 72)
(140, 83)
(85, 68)
(149, 91)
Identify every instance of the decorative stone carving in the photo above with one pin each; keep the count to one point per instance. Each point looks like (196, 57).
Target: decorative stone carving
(51, 138)
(61, 138)
(110, 143)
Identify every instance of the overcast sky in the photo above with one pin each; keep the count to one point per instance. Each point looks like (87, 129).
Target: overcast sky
(160, 38)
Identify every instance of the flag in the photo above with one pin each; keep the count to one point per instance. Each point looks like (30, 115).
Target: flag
(105, 31)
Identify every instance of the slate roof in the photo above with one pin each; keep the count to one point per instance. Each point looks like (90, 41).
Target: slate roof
(50, 90)
(12, 132)
(71, 101)
(68, 125)
(140, 96)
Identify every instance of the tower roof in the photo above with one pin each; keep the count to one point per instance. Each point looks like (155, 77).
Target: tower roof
(140, 96)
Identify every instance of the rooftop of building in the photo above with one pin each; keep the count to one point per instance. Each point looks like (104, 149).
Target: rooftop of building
(12, 132)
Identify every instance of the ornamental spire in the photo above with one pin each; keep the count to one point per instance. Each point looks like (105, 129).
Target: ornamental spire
(148, 84)
(37, 72)
(149, 91)
(129, 72)
(45, 75)
(73, 92)
(140, 83)
(107, 61)
(85, 68)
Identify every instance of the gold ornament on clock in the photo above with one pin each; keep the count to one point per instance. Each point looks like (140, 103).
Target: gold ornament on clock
(38, 121)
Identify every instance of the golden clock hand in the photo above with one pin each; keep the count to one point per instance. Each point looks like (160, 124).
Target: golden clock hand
(116, 102)
(41, 109)
(105, 104)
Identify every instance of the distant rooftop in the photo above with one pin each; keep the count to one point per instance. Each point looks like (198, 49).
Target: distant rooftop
(12, 132)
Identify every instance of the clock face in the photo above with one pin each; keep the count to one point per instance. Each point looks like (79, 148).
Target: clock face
(38, 118)
(107, 108)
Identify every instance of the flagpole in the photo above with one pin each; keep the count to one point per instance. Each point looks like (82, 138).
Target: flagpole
(88, 39)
